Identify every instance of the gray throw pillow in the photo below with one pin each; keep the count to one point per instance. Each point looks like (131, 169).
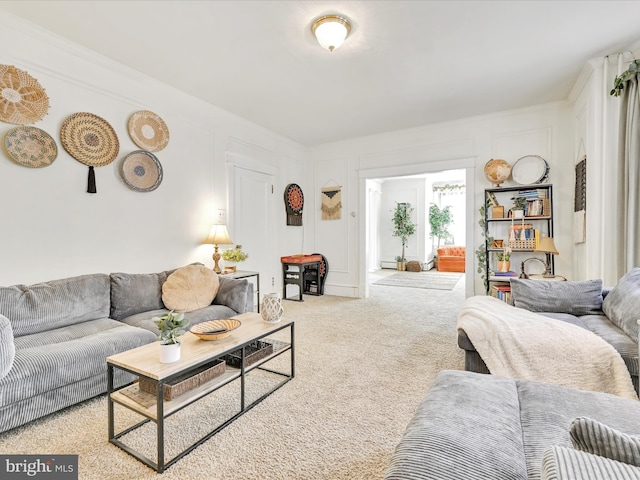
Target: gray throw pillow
(576, 298)
(591, 436)
(133, 293)
(622, 305)
(7, 347)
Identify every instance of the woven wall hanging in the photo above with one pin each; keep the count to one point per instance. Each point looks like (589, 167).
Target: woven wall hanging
(22, 99)
(294, 201)
(91, 140)
(30, 147)
(331, 203)
(148, 131)
(141, 171)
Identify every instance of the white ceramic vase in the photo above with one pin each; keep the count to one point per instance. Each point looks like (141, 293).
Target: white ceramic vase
(272, 308)
(169, 353)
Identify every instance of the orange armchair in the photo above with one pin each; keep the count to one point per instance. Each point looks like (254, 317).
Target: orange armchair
(451, 259)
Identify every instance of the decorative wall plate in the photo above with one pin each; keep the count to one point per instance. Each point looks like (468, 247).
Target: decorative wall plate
(148, 131)
(30, 147)
(141, 171)
(529, 170)
(22, 99)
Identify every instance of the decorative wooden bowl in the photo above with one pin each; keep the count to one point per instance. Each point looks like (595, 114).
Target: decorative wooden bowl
(215, 329)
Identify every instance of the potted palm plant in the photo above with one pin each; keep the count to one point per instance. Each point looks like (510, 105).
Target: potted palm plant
(403, 228)
(171, 325)
(439, 221)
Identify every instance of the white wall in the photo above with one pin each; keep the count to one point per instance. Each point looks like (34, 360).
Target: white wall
(544, 130)
(52, 228)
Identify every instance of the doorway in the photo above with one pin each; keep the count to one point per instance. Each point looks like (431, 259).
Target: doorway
(421, 179)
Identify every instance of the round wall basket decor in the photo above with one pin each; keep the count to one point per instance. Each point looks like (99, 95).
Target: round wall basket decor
(89, 139)
(22, 99)
(148, 131)
(141, 171)
(30, 147)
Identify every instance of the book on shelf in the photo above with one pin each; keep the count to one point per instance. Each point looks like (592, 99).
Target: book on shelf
(533, 194)
(501, 292)
(505, 274)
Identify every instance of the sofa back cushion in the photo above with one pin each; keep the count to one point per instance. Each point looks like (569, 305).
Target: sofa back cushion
(55, 304)
(133, 293)
(622, 304)
(575, 298)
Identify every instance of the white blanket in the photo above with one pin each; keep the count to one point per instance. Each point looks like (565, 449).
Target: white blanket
(517, 343)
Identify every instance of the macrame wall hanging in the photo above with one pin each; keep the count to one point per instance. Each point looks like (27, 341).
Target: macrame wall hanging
(331, 203)
(294, 201)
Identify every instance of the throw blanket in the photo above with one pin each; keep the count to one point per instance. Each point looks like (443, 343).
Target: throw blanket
(520, 344)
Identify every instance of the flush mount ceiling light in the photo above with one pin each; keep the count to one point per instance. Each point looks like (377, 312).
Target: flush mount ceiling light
(331, 31)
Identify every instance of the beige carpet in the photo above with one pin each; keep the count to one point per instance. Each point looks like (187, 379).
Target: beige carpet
(362, 367)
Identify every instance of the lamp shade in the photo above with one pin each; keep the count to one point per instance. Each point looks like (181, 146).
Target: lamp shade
(547, 246)
(331, 31)
(218, 235)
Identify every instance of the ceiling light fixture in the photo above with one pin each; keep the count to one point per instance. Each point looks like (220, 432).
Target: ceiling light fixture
(331, 31)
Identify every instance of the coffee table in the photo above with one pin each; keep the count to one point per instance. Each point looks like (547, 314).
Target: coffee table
(144, 362)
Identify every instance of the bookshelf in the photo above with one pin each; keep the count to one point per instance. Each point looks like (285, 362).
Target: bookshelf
(520, 233)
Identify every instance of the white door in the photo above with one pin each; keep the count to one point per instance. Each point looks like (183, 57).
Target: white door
(251, 207)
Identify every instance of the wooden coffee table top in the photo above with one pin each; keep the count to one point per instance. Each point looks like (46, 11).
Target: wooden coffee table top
(145, 360)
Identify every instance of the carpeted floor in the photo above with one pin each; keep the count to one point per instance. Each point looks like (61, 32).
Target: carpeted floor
(429, 280)
(362, 368)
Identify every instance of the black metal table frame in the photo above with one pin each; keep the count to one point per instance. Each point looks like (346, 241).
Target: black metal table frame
(160, 466)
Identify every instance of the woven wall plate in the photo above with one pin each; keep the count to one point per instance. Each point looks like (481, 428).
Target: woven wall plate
(141, 171)
(89, 139)
(148, 131)
(30, 147)
(22, 98)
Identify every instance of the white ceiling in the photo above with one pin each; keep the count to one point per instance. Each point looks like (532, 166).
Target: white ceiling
(405, 63)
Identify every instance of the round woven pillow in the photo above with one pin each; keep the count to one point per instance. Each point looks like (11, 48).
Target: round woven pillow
(190, 288)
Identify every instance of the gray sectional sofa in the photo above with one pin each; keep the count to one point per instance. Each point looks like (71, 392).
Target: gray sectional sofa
(611, 314)
(477, 427)
(55, 336)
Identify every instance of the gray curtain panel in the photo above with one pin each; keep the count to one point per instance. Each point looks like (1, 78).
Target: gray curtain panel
(628, 201)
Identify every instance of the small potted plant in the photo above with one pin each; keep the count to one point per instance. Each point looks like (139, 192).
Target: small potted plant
(519, 205)
(234, 255)
(503, 259)
(171, 325)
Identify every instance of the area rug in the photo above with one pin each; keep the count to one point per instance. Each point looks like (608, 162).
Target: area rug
(362, 368)
(428, 280)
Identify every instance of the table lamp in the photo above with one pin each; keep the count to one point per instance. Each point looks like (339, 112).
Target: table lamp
(547, 247)
(218, 235)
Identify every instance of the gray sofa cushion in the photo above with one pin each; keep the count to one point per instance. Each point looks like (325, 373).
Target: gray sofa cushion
(133, 293)
(212, 312)
(236, 294)
(7, 347)
(591, 436)
(48, 360)
(626, 346)
(622, 304)
(463, 429)
(575, 298)
(561, 463)
(55, 304)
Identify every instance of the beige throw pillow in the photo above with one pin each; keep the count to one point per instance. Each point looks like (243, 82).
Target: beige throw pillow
(190, 288)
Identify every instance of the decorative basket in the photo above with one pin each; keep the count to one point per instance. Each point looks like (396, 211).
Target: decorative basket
(253, 352)
(414, 266)
(526, 244)
(215, 329)
(187, 382)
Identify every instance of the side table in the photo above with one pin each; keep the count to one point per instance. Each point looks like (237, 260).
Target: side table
(246, 274)
(291, 276)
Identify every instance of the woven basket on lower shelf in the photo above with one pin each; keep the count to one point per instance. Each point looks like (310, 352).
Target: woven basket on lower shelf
(253, 352)
(526, 243)
(187, 382)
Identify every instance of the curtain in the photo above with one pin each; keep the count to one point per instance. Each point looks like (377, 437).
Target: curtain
(628, 193)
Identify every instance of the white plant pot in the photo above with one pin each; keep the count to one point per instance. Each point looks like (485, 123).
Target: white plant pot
(518, 213)
(169, 353)
(272, 308)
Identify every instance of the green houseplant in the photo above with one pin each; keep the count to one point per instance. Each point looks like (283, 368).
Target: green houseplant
(171, 325)
(234, 255)
(439, 221)
(403, 228)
